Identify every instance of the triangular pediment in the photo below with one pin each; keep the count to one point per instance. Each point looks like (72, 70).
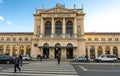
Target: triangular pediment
(59, 9)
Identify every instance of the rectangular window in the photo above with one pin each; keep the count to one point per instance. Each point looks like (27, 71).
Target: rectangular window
(116, 39)
(20, 39)
(96, 39)
(14, 39)
(103, 39)
(89, 39)
(8, 39)
(109, 39)
(26, 39)
(2, 38)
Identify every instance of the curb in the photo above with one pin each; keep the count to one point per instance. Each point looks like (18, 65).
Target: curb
(79, 63)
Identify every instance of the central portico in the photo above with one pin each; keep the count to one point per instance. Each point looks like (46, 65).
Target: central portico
(59, 30)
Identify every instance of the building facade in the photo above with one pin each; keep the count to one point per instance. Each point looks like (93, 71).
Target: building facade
(59, 30)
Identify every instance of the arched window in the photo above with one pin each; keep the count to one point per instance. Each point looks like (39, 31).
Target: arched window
(58, 28)
(115, 51)
(47, 28)
(69, 28)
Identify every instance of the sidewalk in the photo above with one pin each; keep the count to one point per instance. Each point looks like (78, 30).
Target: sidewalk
(95, 63)
(44, 68)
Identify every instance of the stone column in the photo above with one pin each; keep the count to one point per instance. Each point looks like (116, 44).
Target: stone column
(18, 50)
(111, 50)
(118, 52)
(25, 50)
(103, 50)
(63, 53)
(96, 52)
(88, 50)
(11, 51)
(75, 30)
(64, 28)
(51, 53)
(53, 27)
(41, 30)
(4, 49)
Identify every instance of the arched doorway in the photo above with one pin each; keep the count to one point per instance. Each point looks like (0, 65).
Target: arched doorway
(92, 52)
(21, 50)
(100, 51)
(107, 50)
(69, 52)
(115, 51)
(1, 49)
(57, 49)
(45, 50)
(28, 50)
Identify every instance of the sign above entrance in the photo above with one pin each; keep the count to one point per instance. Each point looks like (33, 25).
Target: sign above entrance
(58, 15)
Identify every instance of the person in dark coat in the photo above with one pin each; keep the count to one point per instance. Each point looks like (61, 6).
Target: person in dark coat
(16, 64)
(58, 58)
(20, 56)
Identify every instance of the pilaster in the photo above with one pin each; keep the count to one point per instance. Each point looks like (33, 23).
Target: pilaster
(4, 49)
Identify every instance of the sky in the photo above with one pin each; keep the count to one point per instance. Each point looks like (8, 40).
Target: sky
(101, 15)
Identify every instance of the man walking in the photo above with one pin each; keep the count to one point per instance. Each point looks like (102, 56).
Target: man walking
(20, 56)
(16, 64)
(58, 58)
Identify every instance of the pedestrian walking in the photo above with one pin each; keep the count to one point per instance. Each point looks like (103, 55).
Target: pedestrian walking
(40, 57)
(20, 56)
(58, 58)
(17, 64)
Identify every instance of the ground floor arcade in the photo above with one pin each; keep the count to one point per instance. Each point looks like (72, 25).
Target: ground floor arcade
(95, 51)
(15, 49)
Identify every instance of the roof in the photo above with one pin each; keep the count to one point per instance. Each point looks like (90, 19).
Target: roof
(102, 33)
(17, 33)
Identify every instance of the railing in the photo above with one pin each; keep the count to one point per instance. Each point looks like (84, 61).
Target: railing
(17, 41)
(58, 36)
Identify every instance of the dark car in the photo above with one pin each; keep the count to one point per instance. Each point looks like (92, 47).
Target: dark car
(6, 59)
(81, 59)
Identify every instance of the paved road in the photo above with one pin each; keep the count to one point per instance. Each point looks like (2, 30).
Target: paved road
(97, 69)
(5, 66)
(45, 68)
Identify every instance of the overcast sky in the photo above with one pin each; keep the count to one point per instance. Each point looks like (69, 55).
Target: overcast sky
(101, 15)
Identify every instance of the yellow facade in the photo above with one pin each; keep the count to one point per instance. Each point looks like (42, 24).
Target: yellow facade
(59, 30)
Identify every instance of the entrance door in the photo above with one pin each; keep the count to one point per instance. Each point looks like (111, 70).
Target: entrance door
(57, 51)
(69, 49)
(45, 53)
(69, 53)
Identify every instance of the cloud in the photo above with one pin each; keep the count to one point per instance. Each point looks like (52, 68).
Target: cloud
(9, 23)
(1, 18)
(1, 1)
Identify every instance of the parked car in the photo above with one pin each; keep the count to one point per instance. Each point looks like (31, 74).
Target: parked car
(106, 58)
(81, 59)
(26, 57)
(7, 59)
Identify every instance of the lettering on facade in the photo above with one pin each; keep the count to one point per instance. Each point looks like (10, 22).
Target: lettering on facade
(57, 15)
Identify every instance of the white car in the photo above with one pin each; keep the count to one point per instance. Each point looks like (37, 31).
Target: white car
(26, 57)
(106, 58)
